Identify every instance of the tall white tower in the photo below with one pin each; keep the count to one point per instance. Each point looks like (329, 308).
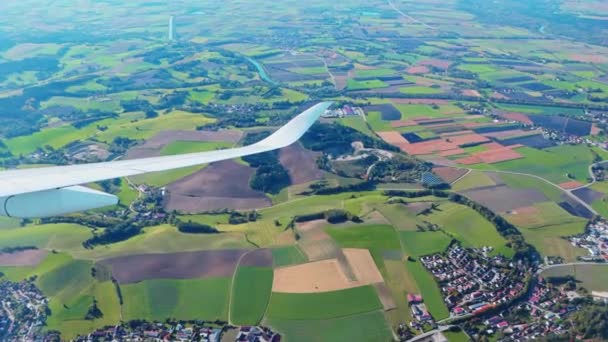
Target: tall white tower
(171, 28)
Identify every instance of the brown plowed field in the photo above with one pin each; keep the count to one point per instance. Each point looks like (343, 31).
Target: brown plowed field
(257, 258)
(453, 152)
(449, 174)
(30, 257)
(471, 93)
(418, 70)
(220, 185)
(437, 63)
(187, 265)
(502, 199)
(327, 275)
(153, 146)
(300, 163)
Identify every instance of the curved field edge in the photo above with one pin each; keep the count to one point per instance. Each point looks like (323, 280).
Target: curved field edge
(250, 294)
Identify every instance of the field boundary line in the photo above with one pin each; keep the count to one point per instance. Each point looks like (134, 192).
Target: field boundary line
(236, 269)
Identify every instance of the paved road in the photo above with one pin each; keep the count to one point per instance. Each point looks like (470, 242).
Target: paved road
(441, 328)
(409, 17)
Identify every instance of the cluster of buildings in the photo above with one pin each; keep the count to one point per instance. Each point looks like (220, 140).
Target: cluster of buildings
(23, 310)
(471, 282)
(145, 331)
(594, 240)
(257, 334)
(345, 111)
(541, 315)
(420, 313)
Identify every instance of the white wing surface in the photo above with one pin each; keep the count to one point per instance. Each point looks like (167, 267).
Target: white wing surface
(28, 181)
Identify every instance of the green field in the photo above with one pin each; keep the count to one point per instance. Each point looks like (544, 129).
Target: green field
(250, 293)
(469, 227)
(429, 290)
(549, 240)
(159, 299)
(591, 277)
(552, 163)
(71, 289)
(375, 238)
(363, 85)
(420, 90)
(50, 236)
(423, 243)
(374, 72)
(289, 255)
(527, 182)
(324, 305)
(398, 216)
(357, 123)
(367, 327)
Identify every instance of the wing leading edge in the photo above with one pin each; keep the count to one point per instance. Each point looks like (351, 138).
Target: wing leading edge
(16, 182)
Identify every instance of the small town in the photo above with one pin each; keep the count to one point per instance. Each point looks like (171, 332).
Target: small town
(594, 240)
(472, 283)
(23, 310)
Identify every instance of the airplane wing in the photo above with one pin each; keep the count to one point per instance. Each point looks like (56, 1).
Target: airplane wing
(55, 186)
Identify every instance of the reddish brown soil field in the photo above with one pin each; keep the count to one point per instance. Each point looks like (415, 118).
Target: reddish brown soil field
(449, 174)
(300, 163)
(152, 147)
(257, 258)
(523, 118)
(187, 265)
(570, 185)
(30, 257)
(498, 155)
(417, 70)
(468, 139)
(531, 210)
(220, 185)
(493, 146)
(394, 138)
(491, 156)
(437, 63)
(471, 160)
(503, 199)
(508, 134)
(403, 123)
(595, 130)
(499, 96)
(453, 152)
(451, 134)
(597, 59)
(471, 93)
